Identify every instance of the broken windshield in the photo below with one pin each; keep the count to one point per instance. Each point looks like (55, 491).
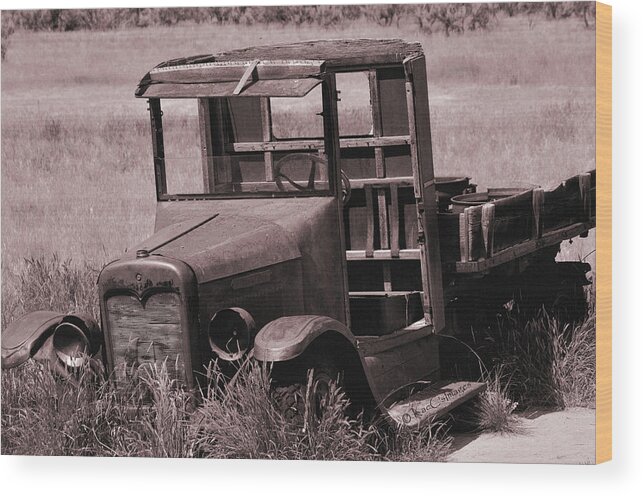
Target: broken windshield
(226, 146)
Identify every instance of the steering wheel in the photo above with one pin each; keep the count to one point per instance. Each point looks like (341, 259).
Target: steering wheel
(299, 158)
(310, 185)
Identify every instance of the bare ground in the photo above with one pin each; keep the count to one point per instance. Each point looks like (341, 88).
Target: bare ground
(544, 437)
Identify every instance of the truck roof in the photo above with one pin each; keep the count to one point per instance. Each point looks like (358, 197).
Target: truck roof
(334, 53)
(274, 70)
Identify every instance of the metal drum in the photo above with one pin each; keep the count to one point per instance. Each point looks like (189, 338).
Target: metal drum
(449, 186)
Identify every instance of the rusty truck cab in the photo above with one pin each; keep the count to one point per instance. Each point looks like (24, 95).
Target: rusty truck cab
(297, 185)
(296, 221)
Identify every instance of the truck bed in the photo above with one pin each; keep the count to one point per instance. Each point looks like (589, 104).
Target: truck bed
(483, 236)
(474, 238)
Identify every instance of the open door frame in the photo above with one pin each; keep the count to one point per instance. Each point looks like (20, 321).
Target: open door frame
(417, 101)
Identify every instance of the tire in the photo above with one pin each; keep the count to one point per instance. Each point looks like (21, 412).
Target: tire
(291, 391)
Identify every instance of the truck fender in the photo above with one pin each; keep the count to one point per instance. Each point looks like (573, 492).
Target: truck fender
(31, 336)
(288, 337)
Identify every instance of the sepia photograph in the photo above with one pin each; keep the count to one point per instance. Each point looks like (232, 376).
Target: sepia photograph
(316, 232)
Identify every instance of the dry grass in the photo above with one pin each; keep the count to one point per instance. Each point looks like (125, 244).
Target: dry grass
(548, 362)
(242, 421)
(426, 443)
(49, 283)
(152, 417)
(544, 363)
(494, 410)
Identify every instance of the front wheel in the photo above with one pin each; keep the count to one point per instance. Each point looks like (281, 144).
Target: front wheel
(302, 392)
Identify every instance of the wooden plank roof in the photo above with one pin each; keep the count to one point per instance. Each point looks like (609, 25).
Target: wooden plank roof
(301, 60)
(335, 53)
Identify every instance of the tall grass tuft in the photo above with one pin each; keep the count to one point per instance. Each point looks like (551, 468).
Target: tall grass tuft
(427, 443)
(242, 421)
(493, 410)
(48, 283)
(43, 415)
(165, 426)
(550, 362)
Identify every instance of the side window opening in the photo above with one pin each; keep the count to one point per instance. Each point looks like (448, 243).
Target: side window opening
(182, 146)
(298, 117)
(354, 107)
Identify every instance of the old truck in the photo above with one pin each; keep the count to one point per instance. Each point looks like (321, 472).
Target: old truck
(296, 230)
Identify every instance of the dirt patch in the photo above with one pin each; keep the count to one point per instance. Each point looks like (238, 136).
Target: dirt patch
(544, 437)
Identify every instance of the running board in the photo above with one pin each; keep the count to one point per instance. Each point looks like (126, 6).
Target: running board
(433, 402)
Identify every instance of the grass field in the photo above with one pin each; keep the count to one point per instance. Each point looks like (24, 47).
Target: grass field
(514, 104)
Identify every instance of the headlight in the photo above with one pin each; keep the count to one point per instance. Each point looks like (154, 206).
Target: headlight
(71, 344)
(231, 332)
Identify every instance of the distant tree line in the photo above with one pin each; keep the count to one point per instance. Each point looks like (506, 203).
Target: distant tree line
(446, 18)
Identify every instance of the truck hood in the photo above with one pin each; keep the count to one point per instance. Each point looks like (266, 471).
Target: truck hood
(217, 243)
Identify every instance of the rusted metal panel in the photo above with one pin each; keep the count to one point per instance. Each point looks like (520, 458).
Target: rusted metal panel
(237, 242)
(171, 233)
(433, 402)
(35, 336)
(253, 233)
(288, 337)
(407, 358)
(266, 294)
(20, 338)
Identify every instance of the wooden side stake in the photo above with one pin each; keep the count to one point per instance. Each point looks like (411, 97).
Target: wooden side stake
(474, 216)
(487, 224)
(464, 238)
(584, 184)
(538, 206)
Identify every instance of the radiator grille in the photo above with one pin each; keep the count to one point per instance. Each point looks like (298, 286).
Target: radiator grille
(146, 333)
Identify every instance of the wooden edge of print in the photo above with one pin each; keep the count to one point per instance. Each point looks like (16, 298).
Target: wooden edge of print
(603, 233)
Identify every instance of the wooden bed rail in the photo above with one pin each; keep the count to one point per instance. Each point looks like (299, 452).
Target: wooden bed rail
(493, 227)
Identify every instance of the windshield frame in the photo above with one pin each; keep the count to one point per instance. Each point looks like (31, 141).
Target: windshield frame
(329, 145)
